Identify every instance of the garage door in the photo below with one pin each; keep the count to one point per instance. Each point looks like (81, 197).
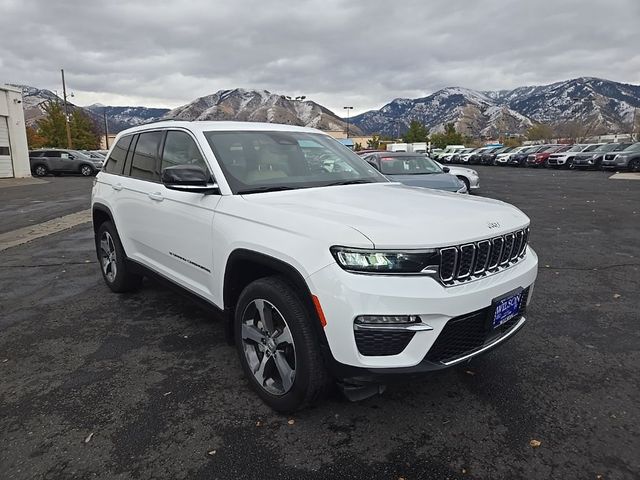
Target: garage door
(6, 166)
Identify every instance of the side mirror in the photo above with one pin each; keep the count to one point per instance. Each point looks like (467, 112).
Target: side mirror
(446, 169)
(188, 178)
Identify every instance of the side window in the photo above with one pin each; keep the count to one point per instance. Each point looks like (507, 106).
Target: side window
(53, 154)
(145, 158)
(115, 163)
(181, 149)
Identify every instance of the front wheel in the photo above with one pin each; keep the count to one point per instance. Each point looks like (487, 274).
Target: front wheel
(465, 180)
(40, 170)
(277, 345)
(634, 165)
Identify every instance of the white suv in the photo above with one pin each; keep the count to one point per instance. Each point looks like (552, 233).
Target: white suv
(322, 268)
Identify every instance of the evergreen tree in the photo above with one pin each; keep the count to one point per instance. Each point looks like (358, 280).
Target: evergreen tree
(417, 133)
(84, 135)
(449, 137)
(374, 142)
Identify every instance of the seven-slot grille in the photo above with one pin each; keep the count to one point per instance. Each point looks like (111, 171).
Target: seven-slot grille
(474, 260)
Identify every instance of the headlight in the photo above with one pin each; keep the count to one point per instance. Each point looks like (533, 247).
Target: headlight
(473, 172)
(384, 261)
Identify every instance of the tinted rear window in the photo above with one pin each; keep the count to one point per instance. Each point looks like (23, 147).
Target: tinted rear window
(115, 164)
(145, 158)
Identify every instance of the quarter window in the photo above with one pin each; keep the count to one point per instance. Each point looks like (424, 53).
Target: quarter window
(115, 164)
(181, 149)
(145, 158)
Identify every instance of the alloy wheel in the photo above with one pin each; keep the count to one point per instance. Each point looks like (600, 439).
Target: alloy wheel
(41, 171)
(86, 170)
(268, 347)
(634, 166)
(108, 257)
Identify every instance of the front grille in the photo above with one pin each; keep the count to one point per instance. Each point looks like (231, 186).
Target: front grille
(610, 156)
(465, 334)
(475, 260)
(379, 343)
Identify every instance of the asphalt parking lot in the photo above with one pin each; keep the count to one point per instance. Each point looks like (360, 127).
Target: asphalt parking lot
(99, 385)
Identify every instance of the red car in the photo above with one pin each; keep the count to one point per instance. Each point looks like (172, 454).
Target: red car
(540, 159)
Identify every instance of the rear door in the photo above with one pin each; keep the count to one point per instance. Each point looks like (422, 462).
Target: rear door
(136, 207)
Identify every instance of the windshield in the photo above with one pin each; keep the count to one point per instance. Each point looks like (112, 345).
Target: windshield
(576, 148)
(633, 148)
(409, 165)
(258, 161)
(591, 148)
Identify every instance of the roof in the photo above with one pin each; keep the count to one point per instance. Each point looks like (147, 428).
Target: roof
(221, 126)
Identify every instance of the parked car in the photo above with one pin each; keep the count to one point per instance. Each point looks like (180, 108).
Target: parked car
(503, 158)
(319, 267)
(565, 159)
(489, 157)
(57, 161)
(468, 176)
(415, 170)
(540, 158)
(448, 151)
(628, 159)
(474, 158)
(520, 159)
(593, 160)
(463, 156)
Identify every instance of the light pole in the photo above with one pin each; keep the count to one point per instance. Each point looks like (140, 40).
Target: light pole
(633, 125)
(106, 127)
(348, 109)
(66, 111)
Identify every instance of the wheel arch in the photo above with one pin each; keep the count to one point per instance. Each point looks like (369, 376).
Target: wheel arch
(100, 213)
(245, 266)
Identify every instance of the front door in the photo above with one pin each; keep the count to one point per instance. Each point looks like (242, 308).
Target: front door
(185, 220)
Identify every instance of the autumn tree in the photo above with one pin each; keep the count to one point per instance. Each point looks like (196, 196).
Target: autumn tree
(34, 140)
(417, 133)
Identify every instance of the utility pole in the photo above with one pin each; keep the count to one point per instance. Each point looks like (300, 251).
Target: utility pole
(106, 127)
(66, 111)
(348, 109)
(633, 125)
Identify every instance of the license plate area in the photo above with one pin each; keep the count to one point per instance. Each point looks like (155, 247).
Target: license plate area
(504, 308)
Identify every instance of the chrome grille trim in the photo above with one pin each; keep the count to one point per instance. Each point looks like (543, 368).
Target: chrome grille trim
(463, 263)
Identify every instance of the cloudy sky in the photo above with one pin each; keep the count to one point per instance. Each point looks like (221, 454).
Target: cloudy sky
(361, 53)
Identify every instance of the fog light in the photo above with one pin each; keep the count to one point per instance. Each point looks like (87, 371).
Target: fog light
(386, 319)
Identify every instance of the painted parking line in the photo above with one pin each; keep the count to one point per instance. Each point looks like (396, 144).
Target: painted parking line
(625, 176)
(27, 234)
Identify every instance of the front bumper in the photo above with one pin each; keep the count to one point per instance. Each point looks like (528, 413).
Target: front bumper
(345, 296)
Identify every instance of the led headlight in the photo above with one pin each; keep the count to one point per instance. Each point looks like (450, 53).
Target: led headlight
(384, 261)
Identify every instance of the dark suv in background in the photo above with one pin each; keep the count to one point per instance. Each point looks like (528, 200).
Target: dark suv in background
(57, 161)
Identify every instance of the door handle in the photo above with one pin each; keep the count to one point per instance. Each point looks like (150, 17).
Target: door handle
(117, 186)
(157, 196)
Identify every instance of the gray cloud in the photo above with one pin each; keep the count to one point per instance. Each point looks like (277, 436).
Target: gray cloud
(356, 52)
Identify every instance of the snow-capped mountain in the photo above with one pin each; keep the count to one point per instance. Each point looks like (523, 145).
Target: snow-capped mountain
(258, 106)
(121, 118)
(600, 105)
(33, 101)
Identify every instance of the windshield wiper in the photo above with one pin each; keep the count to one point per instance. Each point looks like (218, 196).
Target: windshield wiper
(348, 182)
(273, 188)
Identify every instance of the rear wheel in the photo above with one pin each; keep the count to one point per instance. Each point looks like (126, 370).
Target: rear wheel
(40, 170)
(87, 170)
(112, 260)
(277, 345)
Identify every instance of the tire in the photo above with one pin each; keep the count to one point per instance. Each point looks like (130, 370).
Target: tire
(87, 170)
(112, 260)
(290, 375)
(570, 164)
(634, 165)
(40, 170)
(466, 182)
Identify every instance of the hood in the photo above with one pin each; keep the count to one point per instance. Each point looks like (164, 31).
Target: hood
(439, 181)
(392, 215)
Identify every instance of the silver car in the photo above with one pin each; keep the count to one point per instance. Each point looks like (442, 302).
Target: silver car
(57, 161)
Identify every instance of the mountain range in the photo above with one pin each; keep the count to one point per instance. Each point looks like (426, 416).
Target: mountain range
(595, 104)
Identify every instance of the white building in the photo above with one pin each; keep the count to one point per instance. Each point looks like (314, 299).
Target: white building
(14, 152)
